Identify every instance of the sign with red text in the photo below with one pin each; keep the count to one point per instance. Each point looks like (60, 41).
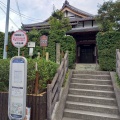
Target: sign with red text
(43, 41)
(19, 39)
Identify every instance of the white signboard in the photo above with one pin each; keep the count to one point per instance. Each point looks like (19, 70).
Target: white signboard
(19, 39)
(31, 44)
(17, 88)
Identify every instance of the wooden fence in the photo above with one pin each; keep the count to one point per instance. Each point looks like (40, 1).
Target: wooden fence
(53, 89)
(118, 62)
(37, 103)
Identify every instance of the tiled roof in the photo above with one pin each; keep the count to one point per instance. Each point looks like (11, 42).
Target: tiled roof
(66, 4)
(83, 30)
(81, 19)
(36, 24)
(47, 24)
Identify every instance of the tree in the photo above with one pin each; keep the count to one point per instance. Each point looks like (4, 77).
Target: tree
(1, 44)
(108, 17)
(59, 25)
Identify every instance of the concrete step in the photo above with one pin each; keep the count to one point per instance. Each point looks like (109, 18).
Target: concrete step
(92, 100)
(88, 76)
(85, 115)
(97, 93)
(91, 86)
(65, 118)
(92, 107)
(91, 72)
(88, 67)
(92, 81)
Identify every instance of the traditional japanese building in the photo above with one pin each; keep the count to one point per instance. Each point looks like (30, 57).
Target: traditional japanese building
(84, 30)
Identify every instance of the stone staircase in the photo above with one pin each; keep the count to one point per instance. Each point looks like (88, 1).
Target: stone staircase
(88, 67)
(91, 97)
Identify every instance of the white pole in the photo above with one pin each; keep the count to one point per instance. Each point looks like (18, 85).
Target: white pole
(6, 31)
(18, 51)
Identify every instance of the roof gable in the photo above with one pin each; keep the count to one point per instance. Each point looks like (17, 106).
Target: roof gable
(75, 11)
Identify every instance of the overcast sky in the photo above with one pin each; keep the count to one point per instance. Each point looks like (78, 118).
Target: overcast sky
(39, 10)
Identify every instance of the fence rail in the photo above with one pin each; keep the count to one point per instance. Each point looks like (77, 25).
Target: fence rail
(53, 89)
(118, 62)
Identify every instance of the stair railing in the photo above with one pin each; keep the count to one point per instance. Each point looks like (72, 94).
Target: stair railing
(53, 89)
(118, 62)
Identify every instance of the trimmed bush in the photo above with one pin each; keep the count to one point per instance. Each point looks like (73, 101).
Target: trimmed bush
(107, 43)
(46, 70)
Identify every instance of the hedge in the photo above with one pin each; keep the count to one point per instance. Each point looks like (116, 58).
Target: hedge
(46, 70)
(107, 43)
(67, 43)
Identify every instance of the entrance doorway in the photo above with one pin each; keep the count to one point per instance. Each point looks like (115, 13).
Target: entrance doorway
(86, 54)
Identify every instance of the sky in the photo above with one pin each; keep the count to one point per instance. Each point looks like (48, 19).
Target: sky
(33, 11)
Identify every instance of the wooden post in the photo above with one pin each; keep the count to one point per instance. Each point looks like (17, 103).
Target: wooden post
(49, 112)
(37, 79)
(23, 53)
(47, 56)
(117, 50)
(58, 53)
(37, 83)
(59, 86)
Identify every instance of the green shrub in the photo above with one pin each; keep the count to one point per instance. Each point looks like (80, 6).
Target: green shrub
(107, 43)
(68, 44)
(46, 70)
(117, 80)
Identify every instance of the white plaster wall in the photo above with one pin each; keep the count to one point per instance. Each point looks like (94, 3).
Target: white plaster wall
(70, 14)
(94, 24)
(87, 24)
(80, 25)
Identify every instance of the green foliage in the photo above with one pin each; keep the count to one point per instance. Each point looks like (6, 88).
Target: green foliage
(1, 44)
(68, 44)
(108, 17)
(59, 25)
(46, 70)
(117, 80)
(4, 74)
(107, 43)
(66, 78)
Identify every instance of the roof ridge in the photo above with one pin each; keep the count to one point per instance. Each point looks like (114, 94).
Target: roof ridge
(66, 4)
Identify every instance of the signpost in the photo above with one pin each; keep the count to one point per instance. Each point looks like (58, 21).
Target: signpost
(17, 80)
(19, 39)
(17, 88)
(44, 42)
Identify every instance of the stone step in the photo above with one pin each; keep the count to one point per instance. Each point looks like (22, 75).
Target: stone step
(65, 118)
(88, 76)
(92, 81)
(92, 99)
(97, 93)
(91, 86)
(91, 72)
(92, 107)
(87, 67)
(85, 115)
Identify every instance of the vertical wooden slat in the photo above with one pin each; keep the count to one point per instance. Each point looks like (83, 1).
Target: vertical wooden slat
(0, 106)
(30, 104)
(44, 103)
(33, 107)
(49, 89)
(37, 107)
(3, 104)
(6, 106)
